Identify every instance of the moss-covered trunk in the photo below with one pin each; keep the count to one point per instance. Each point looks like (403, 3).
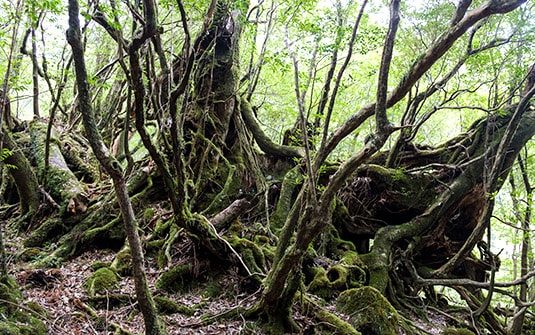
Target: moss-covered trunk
(143, 294)
(23, 175)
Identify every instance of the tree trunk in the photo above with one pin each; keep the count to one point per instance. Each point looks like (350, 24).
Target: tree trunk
(23, 175)
(144, 297)
(59, 180)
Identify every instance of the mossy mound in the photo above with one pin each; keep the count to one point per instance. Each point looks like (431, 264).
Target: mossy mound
(346, 274)
(369, 311)
(177, 279)
(101, 281)
(16, 318)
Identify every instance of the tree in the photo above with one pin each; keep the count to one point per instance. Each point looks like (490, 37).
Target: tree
(395, 213)
(112, 167)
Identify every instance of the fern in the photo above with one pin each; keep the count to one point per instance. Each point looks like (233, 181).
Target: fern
(6, 153)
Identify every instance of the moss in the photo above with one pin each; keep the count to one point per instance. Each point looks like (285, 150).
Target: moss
(332, 320)
(213, 289)
(251, 253)
(177, 279)
(15, 320)
(9, 292)
(168, 306)
(155, 246)
(16, 328)
(46, 232)
(99, 264)
(161, 227)
(122, 263)
(112, 235)
(369, 311)
(457, 331)
(28, 254)
(348, 273)
(148, 214)
(320, 285)
(379, 277)
(36, 308)
(101, 281)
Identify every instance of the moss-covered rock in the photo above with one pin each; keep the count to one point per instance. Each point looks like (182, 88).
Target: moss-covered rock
(369, 311)
(348, 273)
(101, 281)
(122, 263)
(177, 279)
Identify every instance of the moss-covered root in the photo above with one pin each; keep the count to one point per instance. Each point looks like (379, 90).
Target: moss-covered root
(18, 318)
(330, 320)
(116, 328)
(274, 323)
(369, 311)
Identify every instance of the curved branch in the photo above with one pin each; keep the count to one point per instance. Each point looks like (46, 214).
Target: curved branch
(419, 67)
(263, 141)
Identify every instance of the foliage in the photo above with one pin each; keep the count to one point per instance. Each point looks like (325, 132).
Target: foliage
(6, 153)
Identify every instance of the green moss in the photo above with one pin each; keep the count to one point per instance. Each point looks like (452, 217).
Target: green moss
(36, 308)
(47, 231)
(379, 276)
(113, 232)
(348, 273)
(251, 253)
(369, 311)
(457, 331)
(15, 320)
(99, 264)
(168, 306)
(177, 279)
(155, 246)
(161, 227)
(320, 285)
(101, 281)
(335, 323)
(148, 214)
(28, 254)
(213, 289)
(122, 263)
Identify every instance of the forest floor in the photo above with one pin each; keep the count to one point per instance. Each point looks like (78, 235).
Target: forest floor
(68, 307)
(59, 291)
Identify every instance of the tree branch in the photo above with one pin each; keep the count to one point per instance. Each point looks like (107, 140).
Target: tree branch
(263, 141)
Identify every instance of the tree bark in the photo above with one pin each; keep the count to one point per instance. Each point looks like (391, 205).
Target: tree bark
(144, 296)
(23, 175)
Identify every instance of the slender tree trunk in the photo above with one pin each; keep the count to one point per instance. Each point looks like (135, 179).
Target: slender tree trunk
(518, 321)
(144, 297)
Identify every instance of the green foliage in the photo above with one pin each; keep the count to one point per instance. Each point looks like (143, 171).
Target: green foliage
(6, 153)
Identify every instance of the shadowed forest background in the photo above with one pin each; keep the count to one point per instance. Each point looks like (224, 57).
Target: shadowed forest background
(239, 167)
